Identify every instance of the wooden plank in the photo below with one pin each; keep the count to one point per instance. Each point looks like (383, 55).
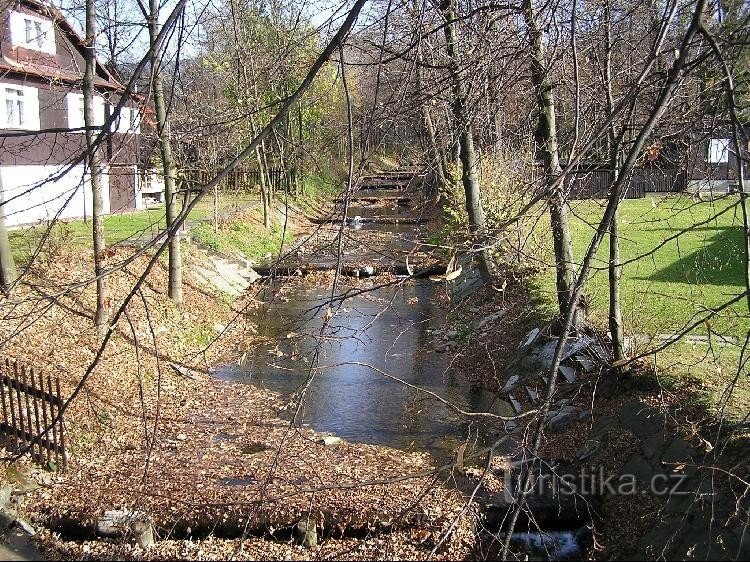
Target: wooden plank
(5, 409)
(62, 428)
(54, 424)
(12, 407)
(19, 403)
(27, 411)
(36, 413)
(44, 416)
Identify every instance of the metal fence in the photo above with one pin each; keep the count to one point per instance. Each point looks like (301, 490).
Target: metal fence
(31, 409)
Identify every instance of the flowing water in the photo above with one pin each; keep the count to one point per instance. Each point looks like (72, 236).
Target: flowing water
(378, 378)
(376, 337)
(386, 331)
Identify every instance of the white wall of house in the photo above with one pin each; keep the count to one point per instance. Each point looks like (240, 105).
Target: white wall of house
(36, 193)
(32, 32)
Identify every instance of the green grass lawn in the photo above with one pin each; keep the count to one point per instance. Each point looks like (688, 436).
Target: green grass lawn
(121, 227)
(245, 236)
(663, 290)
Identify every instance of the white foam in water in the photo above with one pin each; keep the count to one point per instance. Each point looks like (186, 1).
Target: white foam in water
(555, 545)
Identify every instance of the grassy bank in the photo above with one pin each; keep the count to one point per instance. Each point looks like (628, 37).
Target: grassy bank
(119, 227)
(682, 257)
(665, 284)
(243, 234)
(231, 224)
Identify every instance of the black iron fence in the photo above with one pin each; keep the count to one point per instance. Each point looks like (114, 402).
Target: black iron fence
(242, 179)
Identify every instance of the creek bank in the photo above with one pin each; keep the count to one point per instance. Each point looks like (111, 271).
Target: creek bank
(193, 452)
(16, 534)
(658, 493)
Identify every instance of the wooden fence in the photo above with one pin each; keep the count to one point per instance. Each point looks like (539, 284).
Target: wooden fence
(595, 183)
(242, 179)
(31, 403)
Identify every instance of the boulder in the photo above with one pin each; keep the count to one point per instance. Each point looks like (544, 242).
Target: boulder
(511, 383)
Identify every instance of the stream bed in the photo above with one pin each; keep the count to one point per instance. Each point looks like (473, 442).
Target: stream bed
(367, 368)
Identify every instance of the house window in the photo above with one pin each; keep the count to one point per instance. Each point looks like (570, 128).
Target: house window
(127, 121)
(121, 124)
(76, 118)
(135, 121)
(14, 107)
(35, 34)
(32, 32)
(19, 106)
(718, 151)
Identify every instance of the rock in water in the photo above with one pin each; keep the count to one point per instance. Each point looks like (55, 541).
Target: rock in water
(568, 373)
(117, 522)
(5, 493)
(561, 421)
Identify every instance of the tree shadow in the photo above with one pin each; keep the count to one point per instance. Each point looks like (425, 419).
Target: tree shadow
(719, 262)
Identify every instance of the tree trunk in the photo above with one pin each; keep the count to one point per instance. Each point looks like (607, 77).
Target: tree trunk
(94, 169)
(614, 267)
(170, 172)
(436, 158)
(266, 170)
(301, 152)
(263, 190)
(462, 120)
(8, 273)
(546, 139)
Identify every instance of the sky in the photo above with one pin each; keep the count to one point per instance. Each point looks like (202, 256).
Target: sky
(320, 13)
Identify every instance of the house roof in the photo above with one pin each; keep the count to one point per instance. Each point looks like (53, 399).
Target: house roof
(104, 78)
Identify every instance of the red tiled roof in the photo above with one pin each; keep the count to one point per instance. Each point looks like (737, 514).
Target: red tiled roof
(53, 73)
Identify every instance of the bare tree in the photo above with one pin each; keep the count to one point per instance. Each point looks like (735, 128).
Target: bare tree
(7, 263)
(94, 167)
(613, 146)
(547, 145)
(167, 160)
(468, 157)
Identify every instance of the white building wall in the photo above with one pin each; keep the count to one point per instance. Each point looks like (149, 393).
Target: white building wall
(35, 193)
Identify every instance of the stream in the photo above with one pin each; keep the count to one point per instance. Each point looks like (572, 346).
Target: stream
(381, 331)
(387, 329)
(375, 337)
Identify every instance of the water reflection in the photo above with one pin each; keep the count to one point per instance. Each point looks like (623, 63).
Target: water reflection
(389, 329)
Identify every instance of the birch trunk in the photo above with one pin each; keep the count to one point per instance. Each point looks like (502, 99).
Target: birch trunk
(8, 273)
(462, 120)
(546, 139)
